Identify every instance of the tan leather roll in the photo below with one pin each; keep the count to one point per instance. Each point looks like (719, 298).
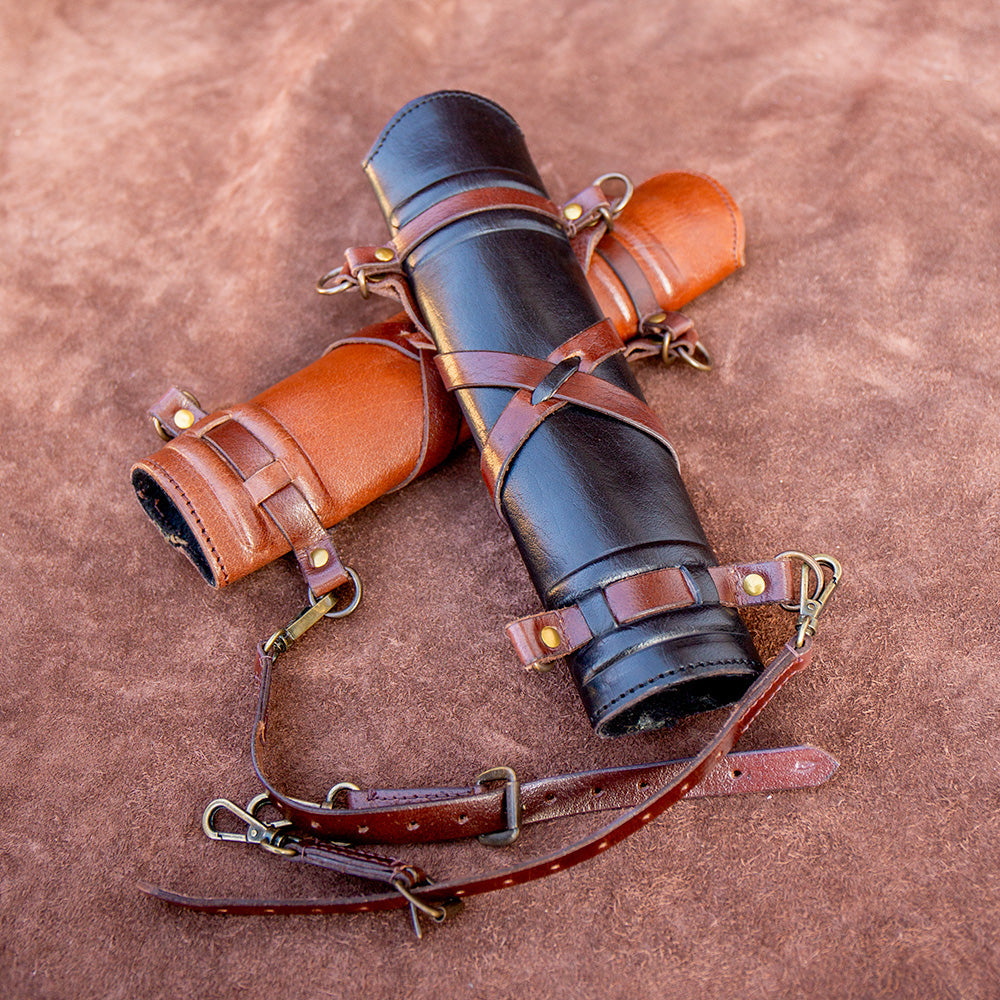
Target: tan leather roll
(237, 488)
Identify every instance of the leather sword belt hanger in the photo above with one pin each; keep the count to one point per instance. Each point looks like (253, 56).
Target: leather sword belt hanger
(238, 488)
(527, 389)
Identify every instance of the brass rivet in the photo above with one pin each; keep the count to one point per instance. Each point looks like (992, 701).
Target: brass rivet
(658, 318)
(384, 254)
(573, 211)
(550, 637)
(184, 419)
(754, 584)
(318, 558)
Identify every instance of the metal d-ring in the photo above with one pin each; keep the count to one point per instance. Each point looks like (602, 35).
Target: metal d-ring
(351, 607)
(331, 796)
(696, 357)
(345, 283)
(619, 203)
(811, 606)
(808, 563)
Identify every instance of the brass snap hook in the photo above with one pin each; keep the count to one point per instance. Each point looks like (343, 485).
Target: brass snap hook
(811, 605)
(261, 834)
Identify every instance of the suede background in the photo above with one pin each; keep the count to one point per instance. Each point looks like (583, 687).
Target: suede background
(173, 177)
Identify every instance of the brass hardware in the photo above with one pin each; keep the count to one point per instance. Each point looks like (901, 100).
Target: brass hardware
(384, 254)
(811, 606)
(754, 584)
(266, 835)
(696, 357)
(323, 607)
(439, 914)
(330, 802)
(573, 211)
(351, 606)
(168, 435)
(344, 282)
(657, 318)
(184, 419)
(318, 558)
(619, 203)
(512, 806)
(550, 637)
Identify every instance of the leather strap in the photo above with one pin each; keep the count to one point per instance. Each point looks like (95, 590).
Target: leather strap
(281, 481)
(693, 772)
(379, 268)
(466, 203)
(633, 280)
(536, 400)
(551, 635)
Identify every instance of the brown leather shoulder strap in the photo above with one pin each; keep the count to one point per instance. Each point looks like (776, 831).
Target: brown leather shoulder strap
(434, 897)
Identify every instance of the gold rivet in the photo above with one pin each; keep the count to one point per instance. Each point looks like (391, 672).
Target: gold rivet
(658, 318)
(318, 558)
(550, 637)
(384, 254)
(573, 211)
(184, 419)
(754, 584)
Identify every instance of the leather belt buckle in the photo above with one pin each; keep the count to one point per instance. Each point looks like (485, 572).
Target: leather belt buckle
(512, 806)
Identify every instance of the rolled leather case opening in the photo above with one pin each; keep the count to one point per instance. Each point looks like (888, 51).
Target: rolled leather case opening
(371, 413)
(589, 498)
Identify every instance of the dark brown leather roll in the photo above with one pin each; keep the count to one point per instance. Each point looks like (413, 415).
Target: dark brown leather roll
(578, 463)
(237, 488)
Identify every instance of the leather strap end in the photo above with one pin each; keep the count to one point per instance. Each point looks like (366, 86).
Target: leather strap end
(372, 261)
(320, 564)
(584, 209)
(747, 585)
(174, 412)
(548, 636)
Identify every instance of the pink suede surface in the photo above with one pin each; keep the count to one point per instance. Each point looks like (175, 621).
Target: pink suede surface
(173, 178)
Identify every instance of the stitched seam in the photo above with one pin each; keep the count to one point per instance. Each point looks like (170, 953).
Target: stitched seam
(415, 796)
(437, 97)
(669, 673)
(194, 513)
(724, 195)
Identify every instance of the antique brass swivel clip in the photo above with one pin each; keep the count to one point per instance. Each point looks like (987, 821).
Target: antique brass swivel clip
(827, 573)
